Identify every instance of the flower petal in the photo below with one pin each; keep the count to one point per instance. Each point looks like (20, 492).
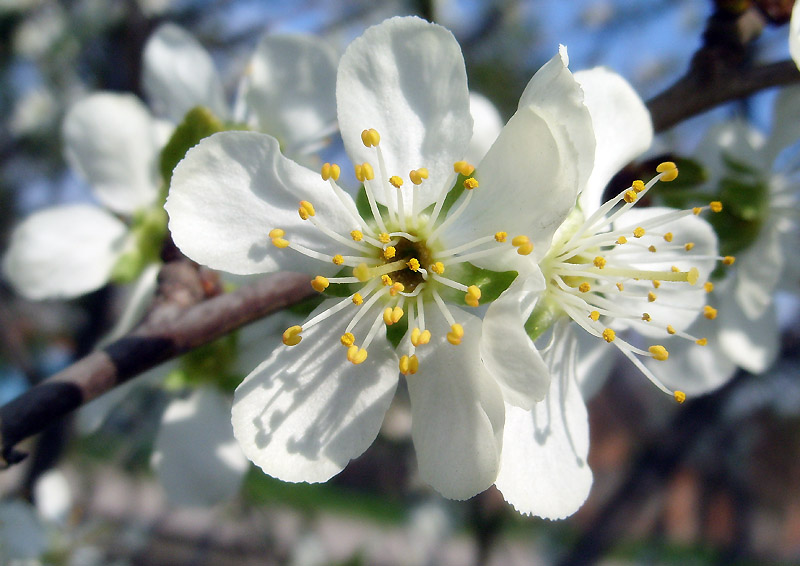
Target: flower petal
(794, 35)
(750, 342)
(232, 189)
(178, 74)
(622, 127)
(306, 411)
(554, 89)
(196, 457)
(785, 122)
(290, 89)
(595, 360)
(487, 125)
(759, 270)
(114, 142)
(63, 252)
(507, 351)
(457, 412)
(527, 186)
(543, 469)
(406, 78)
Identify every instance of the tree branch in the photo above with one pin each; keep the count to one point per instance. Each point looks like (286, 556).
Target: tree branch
(179, 321)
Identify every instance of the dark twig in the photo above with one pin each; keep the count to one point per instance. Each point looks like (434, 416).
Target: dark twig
(179, 321)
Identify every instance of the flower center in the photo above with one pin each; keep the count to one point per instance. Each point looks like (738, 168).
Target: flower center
(398, 258)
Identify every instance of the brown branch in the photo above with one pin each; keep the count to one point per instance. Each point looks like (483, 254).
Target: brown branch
(179, 321)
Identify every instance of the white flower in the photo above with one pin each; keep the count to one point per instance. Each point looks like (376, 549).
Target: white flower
(794, 34)
(763, 231)
(610, 268)
(405, 257)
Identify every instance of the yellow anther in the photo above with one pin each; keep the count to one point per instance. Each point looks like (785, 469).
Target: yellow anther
(413, 264)
(668, 237)
(362, 272)
(338, 259)
(659, 352)
(609, 335)
(471, 183)
(630, 196)
(291, 336)
(364, 172)
(500, 236)
(599, 262)
(356, 355)
(358, 299)
(396, 181)
(308, 207)
(409, 365)
(472, 295)
(692, 276)
(701, 341)
(347, 339)
(715, 206)
(384, 238)
(417, 175)
(671, 329)
(456, 334)
(387, 316)
(709, 312)
(386, 280)
(584, 287)
(622, 240)
(464, 168)
(646, 317)
(697, 210)
(303, 213)
(525, 249)
(437, 267)
(651, 248)
(669, 169)
(330, 171)
(594, 315)
(280, 242)
(420, 337)
(688, 246)
(656, 283)
(389, 252)
(679, 396)
(397, 314)
(638, 185)
(675, 269)
(638, 232)
(651, 297)
(397, 287)
(620, 286)
(523, 244)
(276, 233)
(357, 235)
(370, 138)
(319, 283)
(708, 286)
(728, 260)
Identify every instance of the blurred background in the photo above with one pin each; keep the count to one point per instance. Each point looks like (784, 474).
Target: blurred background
(716, 481)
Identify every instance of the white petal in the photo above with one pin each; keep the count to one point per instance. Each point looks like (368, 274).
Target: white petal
(676, 304)
(594, 363)
(196, 457)
(794, 35)
(507, 351)
(555, 90)
(527, 185)
(178, 74)
(457, 411)
(232, 189)
(543, 470)
(734, 139)
(487, 124)
(305, 412)
(622, 127)
(114, 142)
(785, 122)
(406, 78)
(758, 271)
(53, 496)
(290, 88)
(63, 252)
(750, 342)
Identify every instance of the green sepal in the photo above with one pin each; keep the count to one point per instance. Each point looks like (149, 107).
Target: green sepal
(491, 283)
(128, 267)
(362, 205)
(544, 314)
(148, 230)
(395, 332)
(198, 123)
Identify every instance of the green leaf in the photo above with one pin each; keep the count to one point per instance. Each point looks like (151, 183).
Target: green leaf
(198, 123)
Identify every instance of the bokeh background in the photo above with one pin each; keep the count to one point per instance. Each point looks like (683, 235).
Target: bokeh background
(713, 482)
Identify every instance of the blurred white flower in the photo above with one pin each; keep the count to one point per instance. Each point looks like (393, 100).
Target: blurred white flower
(794, 34)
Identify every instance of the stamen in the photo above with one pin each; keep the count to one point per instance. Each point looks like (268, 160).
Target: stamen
(420, 337)
(470, 184)
(456, 334)
(715, 206)
(709, 312)
(668, 170)
(330, 171)
(370, 137)
(320, 283)
(409, 365)
(418, 175)
(356, 355)
(523, 244)
(291, 336)
(472, 296)
(659, 353)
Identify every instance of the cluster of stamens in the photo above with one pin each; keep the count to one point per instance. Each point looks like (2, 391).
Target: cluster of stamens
(397, 259)
(588, 271)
